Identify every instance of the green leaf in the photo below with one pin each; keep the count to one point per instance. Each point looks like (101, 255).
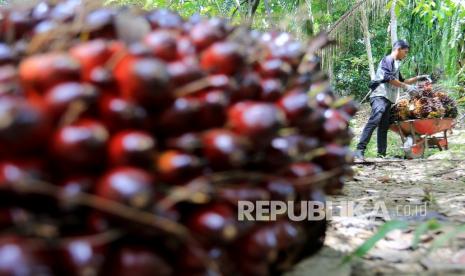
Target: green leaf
(363, 249)
(431, 224)
(441, 240)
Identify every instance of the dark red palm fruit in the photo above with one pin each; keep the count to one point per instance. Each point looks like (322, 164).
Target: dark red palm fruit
(41, 11)
(163, 44)
(60, 98)
(254, 268)
(211, 112)
(272, 90)
(127, 185)
(334, 156)
(185, 47)
(18, 22)
(295, 104)
(138, 260)
(23, 126)
(334, 126)
(7, 54)
(91, 54)
(164, 19)
(234, 194)
(176, 167)
(19, 171)
(21, 256)
(146, 81)
(224, 149)
(179, 117)
(10, 217)
(101, 24)
(118, 114)
(324, 99)
(222, 58)
(132, 148)
(188, 142)
(281, 151)
(255, 120)
(81, 144)
(350, 108)
(65, 11)
(279, 189)
(249, 87)
(274, 68)
(260, 244)
(312, 124)
(40, 72)
(289, 234)
(292, 52)
(9, 81)
(205, 33)
(84, 255)
(103, 79)
(213, 223)
(334, 185)
(184, 71)
(301, 170)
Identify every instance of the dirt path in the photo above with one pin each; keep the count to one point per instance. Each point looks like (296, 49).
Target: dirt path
(412, 191)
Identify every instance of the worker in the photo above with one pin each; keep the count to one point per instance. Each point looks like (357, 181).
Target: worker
(385, 91)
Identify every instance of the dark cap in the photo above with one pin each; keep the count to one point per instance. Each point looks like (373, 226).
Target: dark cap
(400, 44)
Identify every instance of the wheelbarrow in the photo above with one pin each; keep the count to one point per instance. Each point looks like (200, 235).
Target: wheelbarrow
(420, 134)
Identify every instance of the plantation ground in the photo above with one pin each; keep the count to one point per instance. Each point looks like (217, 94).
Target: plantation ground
(414, 191)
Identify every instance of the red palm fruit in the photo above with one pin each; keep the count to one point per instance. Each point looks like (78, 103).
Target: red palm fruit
(164, 19)
(274, 68)
(224, 149)
(100, 23)
(185, 47)
(18, 22)
(179, 118)
(146, 82)
(59, 99)
(103, 79)
(324, 99)
(272, 90)
(21, 256)
(295, 104)
(187, 142)
(81, 144)
(335, 125)
(131, 148)
(280, 189)
(184, 71)
(41, 72)
(254, 119)
(163, 44)
(45, 26)
(65, 11)
(23, 126)
(205, 33)
(350, 108)
(138, 260)
(91, 54)
(213, 223)
(260, 244)
(302, 170)
(74, 185)
(312, 124)
(7, 54)
(176, 167)
(19, 171)
(211, 111)
(222, 58)
(82, 255)
(334, 157)
(249, 87)
(118, 113)
(127, 185)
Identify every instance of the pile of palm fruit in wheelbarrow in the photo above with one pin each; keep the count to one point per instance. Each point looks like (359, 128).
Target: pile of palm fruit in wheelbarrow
(128, 138)
(428, 103)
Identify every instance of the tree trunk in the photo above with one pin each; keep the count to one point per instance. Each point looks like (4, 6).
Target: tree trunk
(393, 24)
(366, 36)
(309, 22)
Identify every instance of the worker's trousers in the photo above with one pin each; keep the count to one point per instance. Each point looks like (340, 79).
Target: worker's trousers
(379, 118)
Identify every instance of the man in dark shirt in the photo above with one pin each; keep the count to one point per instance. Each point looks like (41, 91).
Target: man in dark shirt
(384, 95)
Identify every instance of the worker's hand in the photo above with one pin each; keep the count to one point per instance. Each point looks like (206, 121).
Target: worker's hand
(424, 78)
(412, 90)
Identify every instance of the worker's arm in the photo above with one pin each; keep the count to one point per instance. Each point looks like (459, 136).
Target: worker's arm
(411, 80)
(397, 83)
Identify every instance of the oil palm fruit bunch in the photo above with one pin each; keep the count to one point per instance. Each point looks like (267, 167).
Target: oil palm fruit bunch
(400, 111)
(448, 104)
(128, 139)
